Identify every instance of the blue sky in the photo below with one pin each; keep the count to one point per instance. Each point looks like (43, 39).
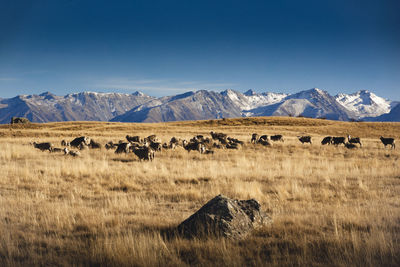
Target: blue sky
(169, 47)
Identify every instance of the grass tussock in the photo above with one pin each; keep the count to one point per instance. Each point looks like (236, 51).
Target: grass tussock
(330, 205)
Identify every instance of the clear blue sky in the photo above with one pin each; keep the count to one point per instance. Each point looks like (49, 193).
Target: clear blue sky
(168, 47)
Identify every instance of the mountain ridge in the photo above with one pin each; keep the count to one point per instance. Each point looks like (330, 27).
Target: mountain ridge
(196, 105)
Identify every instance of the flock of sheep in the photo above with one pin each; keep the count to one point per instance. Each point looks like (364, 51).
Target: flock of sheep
(145, 148)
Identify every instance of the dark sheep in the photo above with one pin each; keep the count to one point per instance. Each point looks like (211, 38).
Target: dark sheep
(277, 137)
(133, 138)
(305, 139)
(95, 145)
(388, 141)
(338, 140)
(156, 146)
(350, 145)
(254, 138)
(122, 148)
(80, 140)
(354, 140)
(144, 153)
(327, 140)
(65, 143)
(43, 146)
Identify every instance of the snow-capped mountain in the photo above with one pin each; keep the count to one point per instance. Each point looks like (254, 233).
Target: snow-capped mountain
(251, 100)
(203, 104)
(364, 103)
(85, 106)
(314, 103)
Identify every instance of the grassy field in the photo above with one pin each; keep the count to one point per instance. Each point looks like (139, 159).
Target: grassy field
(330, 205)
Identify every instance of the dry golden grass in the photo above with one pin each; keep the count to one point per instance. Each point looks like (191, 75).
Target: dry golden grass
(330, 205)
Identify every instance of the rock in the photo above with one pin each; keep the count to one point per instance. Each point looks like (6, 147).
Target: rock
(15, 120)
(225, 217)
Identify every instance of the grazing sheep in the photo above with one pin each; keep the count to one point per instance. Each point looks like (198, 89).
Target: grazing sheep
(388, 141)
(305, 139)
(338, 140)
(277, 137)
(110, 145)
(354, 140)
(234, 140)
(71, 152)
(264, 142)
(80, 140)
(123, 148)
(232, 146)
(327, 140)
(350, 145)
(56, 149)
(189, 146)
(93, 144)
(156, 146)
(133, 138)
(219, 136)
(43, 146)
(216, 145)
(144, 153)
(254, 138)
(65, 143)
(151, 138)
(263, 137)
(82, 146)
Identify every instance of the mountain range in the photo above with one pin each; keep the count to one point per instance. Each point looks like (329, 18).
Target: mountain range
(199, 105)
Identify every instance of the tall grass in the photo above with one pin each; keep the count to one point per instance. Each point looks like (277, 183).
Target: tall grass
(330, 205)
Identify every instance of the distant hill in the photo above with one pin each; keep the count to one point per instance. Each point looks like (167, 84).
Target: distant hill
(199, 105)
(86, 106)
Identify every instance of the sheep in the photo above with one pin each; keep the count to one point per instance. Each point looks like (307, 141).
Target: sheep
(71, 152)
(151, 138)
(232, 146)
(338, 140)
(277, 137)
(123, 148)
(43, 146)
(264, 142)
(80, 140)
(133, 139)
(263, 137)
(110, 145)
(219, 136)
(388, 141)
(354, 140)
(254, 138)
(234, 140)
(305, 139)
(327, 140)
(156, 146)
(65, 143)
(56, 149)
(93, 144)
(82, 146)
(144, 153)
(189, 146)
(174, 142)
(350, 145)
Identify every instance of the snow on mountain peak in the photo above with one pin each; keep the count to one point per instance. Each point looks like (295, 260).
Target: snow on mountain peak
(364, 103)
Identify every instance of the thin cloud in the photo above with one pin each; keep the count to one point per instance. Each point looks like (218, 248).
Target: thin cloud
(158, 86)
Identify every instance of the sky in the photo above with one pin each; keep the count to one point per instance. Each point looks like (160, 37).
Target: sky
(170, 47)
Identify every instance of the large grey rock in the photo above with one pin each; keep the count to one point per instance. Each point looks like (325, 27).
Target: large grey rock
(225, 217)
